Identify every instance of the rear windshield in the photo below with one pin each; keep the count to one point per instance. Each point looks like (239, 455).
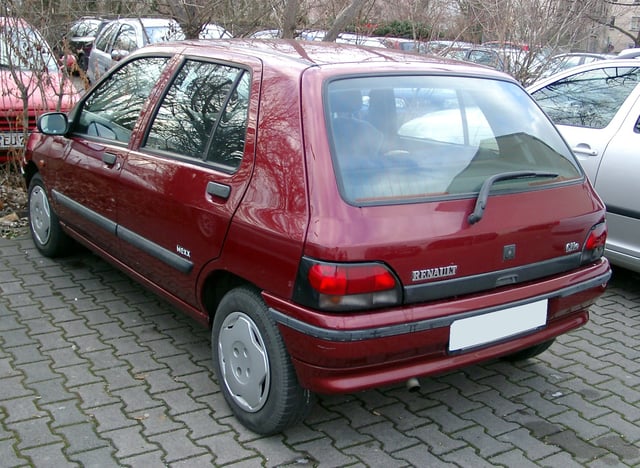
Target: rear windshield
(409, 138)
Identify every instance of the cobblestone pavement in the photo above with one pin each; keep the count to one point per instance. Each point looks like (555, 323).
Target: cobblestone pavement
(96, 371)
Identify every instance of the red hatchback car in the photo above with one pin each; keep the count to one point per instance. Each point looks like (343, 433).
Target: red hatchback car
(341, 217)
(31, 83)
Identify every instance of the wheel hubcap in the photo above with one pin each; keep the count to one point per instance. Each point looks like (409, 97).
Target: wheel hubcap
(244, 361)
(39, 215)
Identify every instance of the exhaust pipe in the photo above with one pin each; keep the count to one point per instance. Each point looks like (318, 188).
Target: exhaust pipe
(413, 385)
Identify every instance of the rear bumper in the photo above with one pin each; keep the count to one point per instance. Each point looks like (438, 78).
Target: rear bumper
(335, 353)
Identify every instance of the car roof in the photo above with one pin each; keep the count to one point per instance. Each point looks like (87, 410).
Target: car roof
(304, 54)
(147, 22)
(615, 62)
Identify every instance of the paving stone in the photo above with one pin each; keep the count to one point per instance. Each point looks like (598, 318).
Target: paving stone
(78, 375)
(201, 424)
(179, 401)
(111, 417)
(275, 452)
(33, 433)
(11, 387)
(627, 450)
(467, 457)
(485, 445)
(129, 442)
(156, 421)
(20, 409)
(322, 449)
(97, 458)
(177, 445)
(527, 444)
(419, 455)
(371, 454)
(226, 449)
(390, 438)
(435, 441)
(81, 437)
(51, 391)
(49, 456)
(65, 413)
(513, 458)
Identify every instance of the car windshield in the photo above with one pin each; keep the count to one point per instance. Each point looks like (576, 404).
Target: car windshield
(163, 33)
(410, 138)
(22, 48)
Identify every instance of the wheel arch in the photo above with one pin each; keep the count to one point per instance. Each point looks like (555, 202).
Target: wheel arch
(217, 284)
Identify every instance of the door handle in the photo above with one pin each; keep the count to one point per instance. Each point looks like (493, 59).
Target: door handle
(219, 190)
(584, 149)
(109, 159)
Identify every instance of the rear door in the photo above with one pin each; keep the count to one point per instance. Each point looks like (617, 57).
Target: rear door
(181, 187)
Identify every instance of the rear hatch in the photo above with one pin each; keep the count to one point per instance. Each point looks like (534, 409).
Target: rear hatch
(450, 185)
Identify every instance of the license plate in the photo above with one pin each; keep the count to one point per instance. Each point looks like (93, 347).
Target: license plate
(496, 326)
(11, 140)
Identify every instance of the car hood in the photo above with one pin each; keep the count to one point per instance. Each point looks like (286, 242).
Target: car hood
(43, 91)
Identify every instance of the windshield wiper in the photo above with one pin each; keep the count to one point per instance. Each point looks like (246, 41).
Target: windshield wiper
(483, 196)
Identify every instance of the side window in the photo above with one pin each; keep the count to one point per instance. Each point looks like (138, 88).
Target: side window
(205, 100)
(112, 109)
(102, 42)
(126, 39)
(227, 145)
(589, 99)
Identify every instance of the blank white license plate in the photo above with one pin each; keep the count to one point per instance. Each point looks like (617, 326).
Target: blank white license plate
(11, 140)
(495, 326)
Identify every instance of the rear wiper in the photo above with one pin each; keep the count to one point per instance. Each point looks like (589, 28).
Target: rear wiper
(481, 202)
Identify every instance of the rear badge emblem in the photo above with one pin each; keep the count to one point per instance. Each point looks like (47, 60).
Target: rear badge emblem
(571, 247)
(438, 272)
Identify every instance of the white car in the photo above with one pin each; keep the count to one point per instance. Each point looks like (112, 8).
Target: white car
(596, 107)
(122, 36)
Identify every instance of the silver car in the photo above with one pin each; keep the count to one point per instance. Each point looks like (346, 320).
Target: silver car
(596, 107)
(122, 36)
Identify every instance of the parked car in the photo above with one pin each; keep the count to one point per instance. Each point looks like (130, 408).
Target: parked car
(122, 36)
(285, 194)
(633, 52)
(597, 109)
(560, 62)
(477, 54)
(79, 40)
(214, 31)
(31, 81)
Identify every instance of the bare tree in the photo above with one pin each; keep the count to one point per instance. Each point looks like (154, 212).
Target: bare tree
(614, 12)
(529, 31)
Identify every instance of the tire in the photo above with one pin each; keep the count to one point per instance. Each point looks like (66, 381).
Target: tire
(83, 63)
(529, 353)
(46, 232)
(254, 369)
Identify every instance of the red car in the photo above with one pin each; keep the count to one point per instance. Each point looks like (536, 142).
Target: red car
(341, 217)
(31, 83)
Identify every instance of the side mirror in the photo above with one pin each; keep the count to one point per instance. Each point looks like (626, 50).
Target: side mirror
(118, 54)
(53, 123)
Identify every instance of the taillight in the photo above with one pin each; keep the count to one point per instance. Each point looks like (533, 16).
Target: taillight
(594, 245)
(346, 286)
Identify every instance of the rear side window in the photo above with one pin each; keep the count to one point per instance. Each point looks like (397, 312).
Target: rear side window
(204, 114)
(588, 99)
(398, 139)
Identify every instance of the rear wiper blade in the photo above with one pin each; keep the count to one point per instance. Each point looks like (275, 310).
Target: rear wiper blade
(483, 196)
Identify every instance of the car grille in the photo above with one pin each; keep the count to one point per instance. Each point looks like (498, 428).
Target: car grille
(14, 123)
